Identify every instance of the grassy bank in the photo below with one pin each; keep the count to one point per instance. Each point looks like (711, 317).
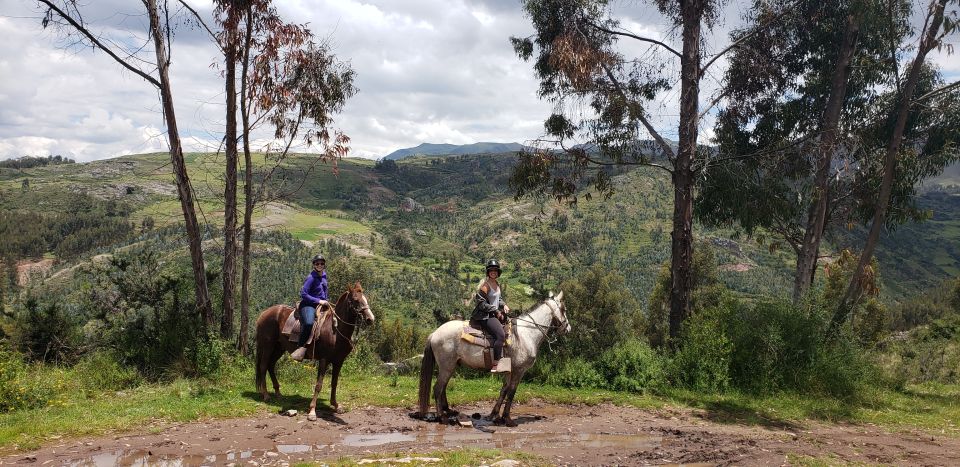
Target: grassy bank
(932, 408)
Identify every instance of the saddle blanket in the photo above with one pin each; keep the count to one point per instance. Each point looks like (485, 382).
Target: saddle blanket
(480, 337)
(291, 327)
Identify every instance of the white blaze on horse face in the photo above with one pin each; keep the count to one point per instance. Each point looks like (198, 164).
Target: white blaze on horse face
(367, 312)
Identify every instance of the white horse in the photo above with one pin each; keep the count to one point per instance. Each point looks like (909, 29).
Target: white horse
(446, 349)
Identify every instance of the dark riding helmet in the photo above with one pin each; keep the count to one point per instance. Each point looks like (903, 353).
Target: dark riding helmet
(493, 265)
(316, 259)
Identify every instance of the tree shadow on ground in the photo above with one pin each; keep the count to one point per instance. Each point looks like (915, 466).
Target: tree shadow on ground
(732, 412)
(298, 403)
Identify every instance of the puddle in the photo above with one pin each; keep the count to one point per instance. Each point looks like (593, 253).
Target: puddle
(293, 448)
(142, 458)
(376, 439)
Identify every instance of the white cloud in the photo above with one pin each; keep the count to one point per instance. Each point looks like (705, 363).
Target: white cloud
(439, 71)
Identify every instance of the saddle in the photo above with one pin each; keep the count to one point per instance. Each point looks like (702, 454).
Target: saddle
(292, 326)
(484, 339)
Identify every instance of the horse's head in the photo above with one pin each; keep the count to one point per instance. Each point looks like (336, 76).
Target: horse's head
(559, 313)
(358, 303)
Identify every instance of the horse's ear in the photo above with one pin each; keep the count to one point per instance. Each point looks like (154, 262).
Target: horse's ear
(550, 294)
(559, 296)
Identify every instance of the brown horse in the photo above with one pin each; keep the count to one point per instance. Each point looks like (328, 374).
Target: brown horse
(331, 346)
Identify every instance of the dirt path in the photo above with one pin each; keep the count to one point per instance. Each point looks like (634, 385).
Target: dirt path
(562, 434)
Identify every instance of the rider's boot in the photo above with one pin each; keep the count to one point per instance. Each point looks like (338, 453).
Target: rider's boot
(298, 354)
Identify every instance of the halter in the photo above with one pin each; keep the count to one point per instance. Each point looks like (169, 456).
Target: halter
(553, 311)
(357, 311)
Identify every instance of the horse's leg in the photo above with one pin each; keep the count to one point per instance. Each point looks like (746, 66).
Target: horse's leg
(440, 391)
(272, 368)
(321, 370)
(495, 413)
(512, 391)
(334, 378)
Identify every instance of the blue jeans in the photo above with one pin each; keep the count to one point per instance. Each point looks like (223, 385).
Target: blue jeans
(308, 314)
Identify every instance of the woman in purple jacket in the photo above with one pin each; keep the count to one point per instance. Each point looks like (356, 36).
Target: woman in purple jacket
(313, 295)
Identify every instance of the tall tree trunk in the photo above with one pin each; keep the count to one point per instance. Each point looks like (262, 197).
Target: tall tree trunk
(248, 201)
(180, 171)
(928, 43)
(230, 175)
(827, 141)
(681, 261)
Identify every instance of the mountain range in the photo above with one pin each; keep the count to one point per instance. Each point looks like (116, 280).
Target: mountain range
(430, 149)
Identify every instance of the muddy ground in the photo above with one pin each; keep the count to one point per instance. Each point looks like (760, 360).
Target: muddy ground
(561, 434)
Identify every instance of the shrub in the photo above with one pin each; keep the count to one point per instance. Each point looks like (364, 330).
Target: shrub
(19, 388)
(102, 371)
(632, 366)
(576, 373)
(703, 360)
(46, 330)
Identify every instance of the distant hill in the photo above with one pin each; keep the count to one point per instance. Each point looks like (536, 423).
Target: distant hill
(429, 149)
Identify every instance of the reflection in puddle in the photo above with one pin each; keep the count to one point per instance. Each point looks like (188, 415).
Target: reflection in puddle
(139, 457)
(376, 439)
(540, 440)
(293, 448)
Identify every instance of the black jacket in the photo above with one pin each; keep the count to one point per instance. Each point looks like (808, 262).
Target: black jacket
(483, 310)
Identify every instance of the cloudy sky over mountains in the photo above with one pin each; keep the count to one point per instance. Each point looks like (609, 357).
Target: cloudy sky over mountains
(439, 71)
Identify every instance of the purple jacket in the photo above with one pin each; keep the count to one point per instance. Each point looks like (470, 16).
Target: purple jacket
(314, 288)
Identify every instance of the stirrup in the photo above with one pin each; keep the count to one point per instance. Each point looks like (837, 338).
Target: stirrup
(501, 366)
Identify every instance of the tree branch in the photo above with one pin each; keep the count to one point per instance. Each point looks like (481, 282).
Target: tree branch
(938, 91)
(744, 38)
(97, 44)
(202, 23)
(713, 103)
(656, 136)
(633, 36)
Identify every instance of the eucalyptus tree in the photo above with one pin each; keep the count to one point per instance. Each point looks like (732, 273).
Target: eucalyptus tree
(295, 85)
(67, 15)
(229, 14)
(798, 92)
(911, 129)
(602, 98)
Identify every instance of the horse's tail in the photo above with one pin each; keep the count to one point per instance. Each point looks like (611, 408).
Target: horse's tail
(264, 339)
(426, 377)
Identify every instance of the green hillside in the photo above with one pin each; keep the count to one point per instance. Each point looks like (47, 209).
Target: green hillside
(441, 216)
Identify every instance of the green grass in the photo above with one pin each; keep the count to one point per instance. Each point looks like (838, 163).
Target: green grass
(308, 225)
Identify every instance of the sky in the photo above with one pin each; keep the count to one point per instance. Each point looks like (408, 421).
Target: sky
(436, 71)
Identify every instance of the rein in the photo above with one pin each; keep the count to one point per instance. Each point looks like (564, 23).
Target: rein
(540, 327)
(355, 325)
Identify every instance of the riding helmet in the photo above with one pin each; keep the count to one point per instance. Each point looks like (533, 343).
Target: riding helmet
(493, 265)
(317, 258)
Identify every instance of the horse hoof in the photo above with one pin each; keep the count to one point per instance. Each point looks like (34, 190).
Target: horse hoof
(509, 422)
(312, 417)
(266, 397)
(498, 421)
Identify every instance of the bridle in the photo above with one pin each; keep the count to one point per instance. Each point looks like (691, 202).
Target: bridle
(554, 312)
(357, 311)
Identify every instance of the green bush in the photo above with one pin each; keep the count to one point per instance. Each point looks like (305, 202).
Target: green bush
(101, 371)
(19, 386)
(703, 360)
(840, 369)
(632, 366)
(45, 329)
(774, 344)
(576, 373)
